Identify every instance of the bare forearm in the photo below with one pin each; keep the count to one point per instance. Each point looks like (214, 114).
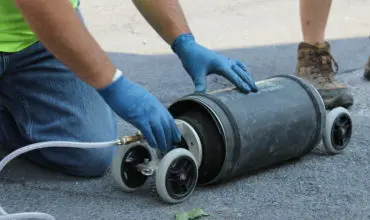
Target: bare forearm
(60, 30)
(165, 16)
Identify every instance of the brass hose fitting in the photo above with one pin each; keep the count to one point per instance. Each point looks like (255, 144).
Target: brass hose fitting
(131, 139)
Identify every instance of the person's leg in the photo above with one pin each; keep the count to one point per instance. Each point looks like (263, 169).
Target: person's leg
(314, 17)
(43, 101)
(314, 58)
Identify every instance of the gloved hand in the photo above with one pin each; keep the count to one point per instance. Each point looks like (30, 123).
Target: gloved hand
(137, 106)
(199, 62)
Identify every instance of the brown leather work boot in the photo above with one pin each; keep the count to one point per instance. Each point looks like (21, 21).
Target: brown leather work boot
(367, 69)
(315, 64)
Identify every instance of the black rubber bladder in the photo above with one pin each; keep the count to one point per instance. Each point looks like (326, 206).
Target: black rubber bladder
(243, 132)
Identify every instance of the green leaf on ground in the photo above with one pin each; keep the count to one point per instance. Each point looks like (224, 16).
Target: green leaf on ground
(193, 214)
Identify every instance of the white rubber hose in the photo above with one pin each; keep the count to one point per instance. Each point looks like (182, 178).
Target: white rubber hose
(27, 215)
(39, 215)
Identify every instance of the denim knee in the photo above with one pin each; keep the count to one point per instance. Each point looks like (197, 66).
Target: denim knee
(85, 162)
(47, 102)
(93, 162)
(99, 125)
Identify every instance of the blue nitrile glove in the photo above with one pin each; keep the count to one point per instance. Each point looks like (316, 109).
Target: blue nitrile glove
(199, 62)
(137, 106)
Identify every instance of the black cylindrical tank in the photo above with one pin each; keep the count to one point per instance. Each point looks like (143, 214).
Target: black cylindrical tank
(242, 132)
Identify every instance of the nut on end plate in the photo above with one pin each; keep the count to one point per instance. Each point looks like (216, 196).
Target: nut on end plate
(131, 139)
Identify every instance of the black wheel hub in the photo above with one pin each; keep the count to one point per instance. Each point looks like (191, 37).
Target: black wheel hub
(129, 172)
(181, 177)
(341, 131)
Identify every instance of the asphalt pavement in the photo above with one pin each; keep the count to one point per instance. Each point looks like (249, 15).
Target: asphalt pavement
(262, 33)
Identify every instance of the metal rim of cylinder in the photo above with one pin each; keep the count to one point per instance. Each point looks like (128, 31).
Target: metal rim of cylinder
(191, 138)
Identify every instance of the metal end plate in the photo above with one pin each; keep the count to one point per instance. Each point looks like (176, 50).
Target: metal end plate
(191, 138)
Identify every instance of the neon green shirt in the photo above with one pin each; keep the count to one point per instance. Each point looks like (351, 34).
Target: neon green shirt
(15, 33)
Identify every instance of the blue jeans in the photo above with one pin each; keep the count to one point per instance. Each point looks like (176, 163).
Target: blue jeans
(42, 100)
